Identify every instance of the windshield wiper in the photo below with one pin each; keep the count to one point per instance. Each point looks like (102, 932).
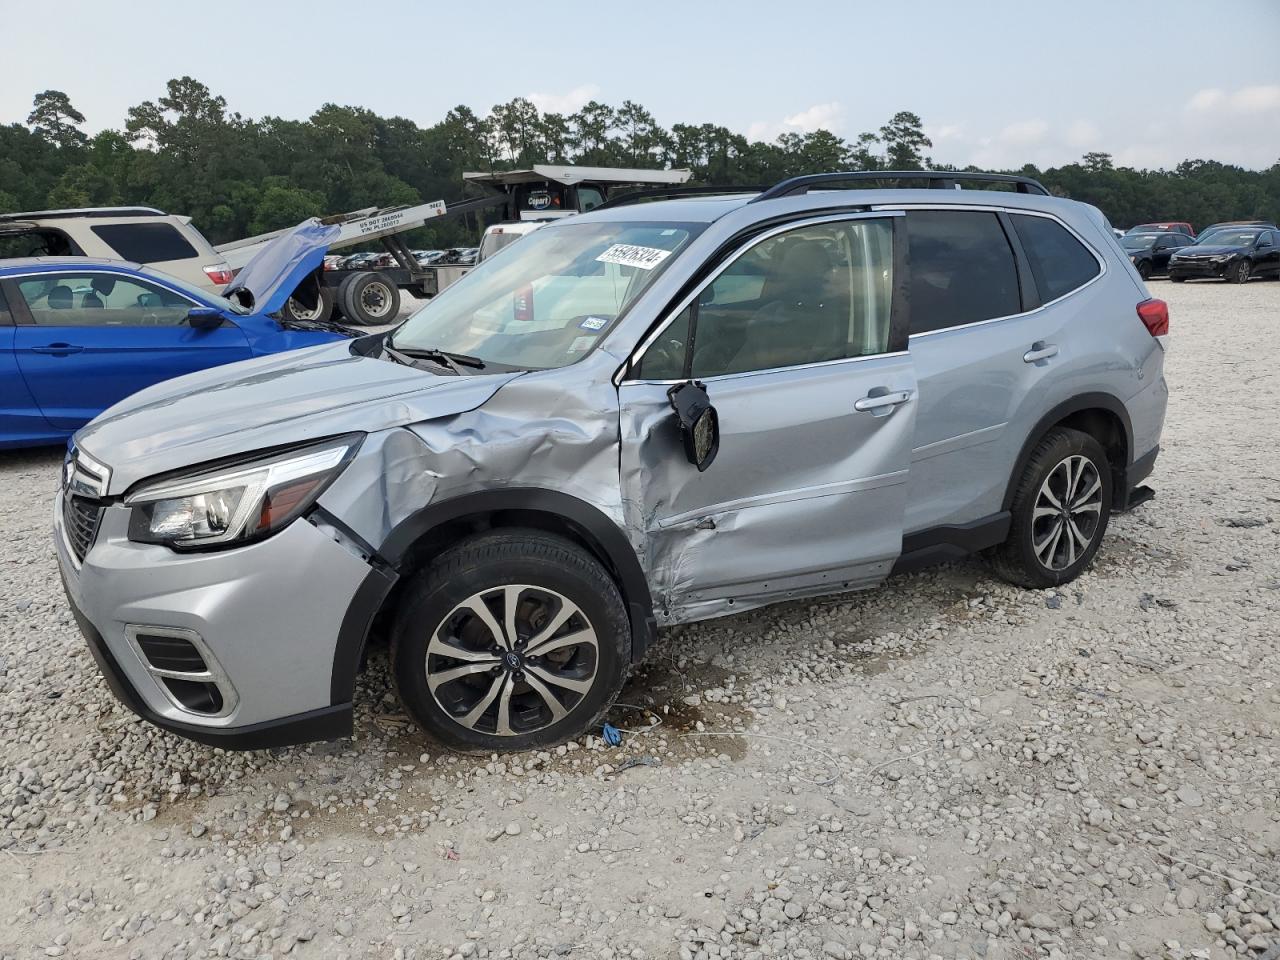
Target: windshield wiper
(454, 361)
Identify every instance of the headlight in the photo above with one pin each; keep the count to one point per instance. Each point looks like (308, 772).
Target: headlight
(240, 503)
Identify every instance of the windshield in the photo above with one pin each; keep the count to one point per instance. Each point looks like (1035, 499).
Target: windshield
(547, 302)
(1140, 241)
(1230, 237)
(198, 293)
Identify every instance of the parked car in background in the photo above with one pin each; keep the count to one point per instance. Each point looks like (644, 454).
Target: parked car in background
(719, 404)
(426, 257)
(1215, 227)
(1166, 226)
(1150, 252)
(502, 235)
(140, 235)
(1237, 254)
(79, 334)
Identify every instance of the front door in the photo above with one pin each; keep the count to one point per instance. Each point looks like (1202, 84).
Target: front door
(88, 339)
(794, 341)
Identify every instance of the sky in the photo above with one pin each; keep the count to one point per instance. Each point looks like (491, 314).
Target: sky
(997, 83)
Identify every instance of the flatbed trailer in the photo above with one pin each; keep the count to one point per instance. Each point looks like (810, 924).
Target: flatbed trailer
(369, 296)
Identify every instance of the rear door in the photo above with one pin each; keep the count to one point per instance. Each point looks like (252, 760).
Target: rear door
(87, 339)
(796, 344)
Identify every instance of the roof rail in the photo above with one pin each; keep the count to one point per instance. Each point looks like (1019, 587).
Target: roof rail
(675, 193)
(84, 212)
(932, 179)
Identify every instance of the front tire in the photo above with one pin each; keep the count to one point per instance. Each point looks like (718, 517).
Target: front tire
(1241, 272)
(1060, 511)
(510, 640)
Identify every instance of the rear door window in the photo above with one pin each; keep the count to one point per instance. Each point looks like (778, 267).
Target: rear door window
(1059, 262)
(145, 242)
(962, 269)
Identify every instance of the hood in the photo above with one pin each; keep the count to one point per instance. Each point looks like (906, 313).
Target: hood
(270, 402)
(270, 278)
(1208, 250)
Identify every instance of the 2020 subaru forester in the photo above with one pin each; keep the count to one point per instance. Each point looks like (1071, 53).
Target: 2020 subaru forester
(640, 416)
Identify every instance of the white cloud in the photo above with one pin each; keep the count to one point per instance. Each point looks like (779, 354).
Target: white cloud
(1083, 135)
(820, 116)
(1246, 101)
(569, 102)
(1023, 133)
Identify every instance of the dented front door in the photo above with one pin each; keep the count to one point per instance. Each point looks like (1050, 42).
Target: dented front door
(806, 494)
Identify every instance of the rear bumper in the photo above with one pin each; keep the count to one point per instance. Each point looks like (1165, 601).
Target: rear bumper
(1138, 471)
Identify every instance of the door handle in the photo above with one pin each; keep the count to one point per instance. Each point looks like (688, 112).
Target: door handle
(869, 402)
(1040, 351)
(58, 349)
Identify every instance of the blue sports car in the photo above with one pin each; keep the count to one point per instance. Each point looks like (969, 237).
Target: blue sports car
(78, 335)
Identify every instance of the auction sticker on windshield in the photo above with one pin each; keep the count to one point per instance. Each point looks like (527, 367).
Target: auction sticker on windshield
(630, 255)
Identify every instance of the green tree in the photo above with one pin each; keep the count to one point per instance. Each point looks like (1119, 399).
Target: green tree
(904, 139)
(55, 120)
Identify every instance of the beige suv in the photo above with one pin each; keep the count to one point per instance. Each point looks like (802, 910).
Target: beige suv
(137, 234)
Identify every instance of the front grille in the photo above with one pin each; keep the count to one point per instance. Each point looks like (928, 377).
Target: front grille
(80, 517)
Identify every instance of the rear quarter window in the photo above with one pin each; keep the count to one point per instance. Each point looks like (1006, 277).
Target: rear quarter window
(145, 242)
(1059, 262)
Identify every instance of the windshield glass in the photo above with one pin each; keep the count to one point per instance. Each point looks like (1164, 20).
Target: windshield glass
(198, 293)
(548, 301)
(1138, 241)
(1230, 237)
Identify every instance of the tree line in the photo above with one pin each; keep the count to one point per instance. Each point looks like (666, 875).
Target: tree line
(186, 152)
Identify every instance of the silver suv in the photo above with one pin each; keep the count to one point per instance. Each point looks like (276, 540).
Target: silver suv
(640, 416)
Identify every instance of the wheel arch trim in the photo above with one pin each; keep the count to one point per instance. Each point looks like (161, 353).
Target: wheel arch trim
(1080, 403)
(606, 536)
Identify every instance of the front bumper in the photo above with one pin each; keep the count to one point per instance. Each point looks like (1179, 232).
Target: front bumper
(268, 617)
(1198, 268)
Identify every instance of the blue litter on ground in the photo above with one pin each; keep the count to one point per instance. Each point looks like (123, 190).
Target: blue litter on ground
(611, 735)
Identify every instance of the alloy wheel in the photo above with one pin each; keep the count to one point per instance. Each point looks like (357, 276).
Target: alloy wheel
(512, 659)
(1067, 512)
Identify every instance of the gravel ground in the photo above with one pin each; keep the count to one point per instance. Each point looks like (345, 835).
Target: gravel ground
(945, 767)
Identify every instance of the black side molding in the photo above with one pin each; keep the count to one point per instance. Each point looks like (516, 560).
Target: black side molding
(925, 548)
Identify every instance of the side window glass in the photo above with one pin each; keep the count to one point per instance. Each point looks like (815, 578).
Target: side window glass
(816, 293)
(101, 300)
(145, 242)
(962, 269)
(665, 358)
(1059, 262)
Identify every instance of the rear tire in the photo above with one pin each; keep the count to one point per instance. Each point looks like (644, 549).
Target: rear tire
(460, 676)
(292, 310)
(1060, 511)
(1144, 270)
(1176, 279)
(369, 299)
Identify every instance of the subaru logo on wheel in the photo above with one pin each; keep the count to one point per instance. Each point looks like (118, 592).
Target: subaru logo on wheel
(513, 660)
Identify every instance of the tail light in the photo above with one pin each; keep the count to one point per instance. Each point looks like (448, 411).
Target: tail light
(524, 302)
(1154, 315)
(219, 273)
